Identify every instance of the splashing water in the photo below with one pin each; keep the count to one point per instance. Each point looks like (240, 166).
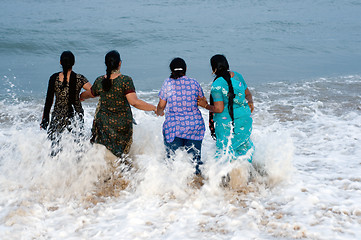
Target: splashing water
(294, 187)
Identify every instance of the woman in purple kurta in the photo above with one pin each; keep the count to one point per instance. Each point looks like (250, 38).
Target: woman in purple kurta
(183, 126)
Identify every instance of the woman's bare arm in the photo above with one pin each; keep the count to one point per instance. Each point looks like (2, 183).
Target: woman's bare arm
(85, 95)
(160, 107)
(218, 107)
(249, 99)
(87, 86)
(140, 104)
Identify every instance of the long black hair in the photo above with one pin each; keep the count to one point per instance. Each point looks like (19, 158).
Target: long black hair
(178, 67)
(67, 61)
(220, 68)
(112, 60)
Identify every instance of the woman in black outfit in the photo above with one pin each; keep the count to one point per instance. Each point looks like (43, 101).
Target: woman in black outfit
(66, 87)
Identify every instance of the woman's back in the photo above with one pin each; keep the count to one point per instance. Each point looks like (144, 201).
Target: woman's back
(62, 95)
(114, 100)
(181, 95)
(183, 118)
(220, 90)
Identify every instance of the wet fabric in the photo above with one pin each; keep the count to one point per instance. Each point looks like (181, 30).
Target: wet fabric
(64, 112)
(113, 121)
(183, 119)
(193, 147)
(234, 140)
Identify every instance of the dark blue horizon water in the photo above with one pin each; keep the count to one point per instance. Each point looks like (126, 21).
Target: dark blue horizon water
(266, 41)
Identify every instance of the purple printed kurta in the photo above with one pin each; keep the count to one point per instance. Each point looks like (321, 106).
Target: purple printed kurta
(182, 116)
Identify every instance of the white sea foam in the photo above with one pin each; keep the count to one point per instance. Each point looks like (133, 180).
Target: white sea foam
(304, 181)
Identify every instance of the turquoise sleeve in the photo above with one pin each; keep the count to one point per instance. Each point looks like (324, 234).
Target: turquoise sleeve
(216, 91)
(240, 78)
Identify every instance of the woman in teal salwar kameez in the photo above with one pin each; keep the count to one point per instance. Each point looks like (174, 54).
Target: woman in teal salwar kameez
(230, 109)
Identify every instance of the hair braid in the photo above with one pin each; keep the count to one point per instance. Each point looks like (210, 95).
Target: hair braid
(112, 60)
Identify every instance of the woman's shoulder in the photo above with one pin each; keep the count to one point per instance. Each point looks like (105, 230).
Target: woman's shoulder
(239, 80)
(219, 82)
(190, 79)
(194, 81)
(54, 76)
(126, 77)
(237, 76)
(81, 76)
(122, 79)
(100, 77)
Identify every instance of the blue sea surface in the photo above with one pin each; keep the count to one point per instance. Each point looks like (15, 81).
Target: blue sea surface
(266, 41)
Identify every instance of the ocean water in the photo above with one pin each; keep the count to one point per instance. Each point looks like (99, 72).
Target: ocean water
(301, 61)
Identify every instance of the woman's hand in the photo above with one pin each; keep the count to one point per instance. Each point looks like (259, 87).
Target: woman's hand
(159, 113)
(85, 95)
(202, 101)
(155, 110)
(160, 107)
(44, 123)
(81, 97)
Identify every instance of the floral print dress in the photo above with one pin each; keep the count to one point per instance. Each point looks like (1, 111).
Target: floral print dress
(240, 133)
(112, 125)
(183, 118)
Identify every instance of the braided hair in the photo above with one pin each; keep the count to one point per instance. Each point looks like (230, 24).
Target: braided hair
(112, 60)
(220, 68)
(67, 61)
